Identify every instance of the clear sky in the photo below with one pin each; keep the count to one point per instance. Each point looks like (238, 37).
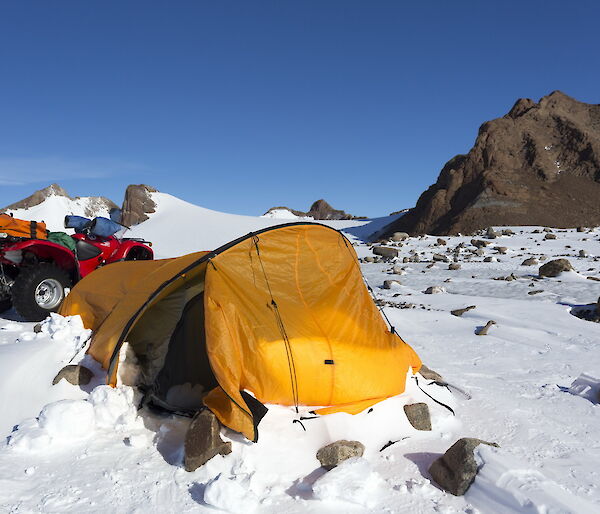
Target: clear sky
(240, 106)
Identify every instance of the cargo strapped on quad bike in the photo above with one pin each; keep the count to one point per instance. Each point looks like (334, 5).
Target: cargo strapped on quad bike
(14, 227)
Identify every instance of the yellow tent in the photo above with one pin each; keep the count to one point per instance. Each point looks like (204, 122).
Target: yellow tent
(277, 316)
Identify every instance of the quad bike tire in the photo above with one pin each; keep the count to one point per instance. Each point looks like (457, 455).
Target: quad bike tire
(5, 304)
(138, 254)
(39, 290)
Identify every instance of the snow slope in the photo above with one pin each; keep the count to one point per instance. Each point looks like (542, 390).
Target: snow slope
(531, 385)
(53, 210)
(178, 227)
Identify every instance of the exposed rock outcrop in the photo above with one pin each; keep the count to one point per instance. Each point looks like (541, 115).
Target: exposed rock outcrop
(137, 204)
(538, 165)
(319, 210)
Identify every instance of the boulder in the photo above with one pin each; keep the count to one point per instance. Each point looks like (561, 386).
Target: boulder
(398, 270)
(580, 229)
(490, 233)
(385, 251)
(74, 374)
(455, 471)
(531, 261)
(331, 455)
(399, 236)
(549, 236)
(138, 203)
(460, 312)
(508, 232)
(479, 243)
(369, 258)
(554, 268)
(583, 253)
(501, 249)
(203, 440)
(484, 330)
(418, 415)
(441, 242)
(454, 266)
(439, 257)
(435, 290)
(390, 284)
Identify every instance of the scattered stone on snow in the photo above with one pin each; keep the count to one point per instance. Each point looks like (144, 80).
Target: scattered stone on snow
(435, 290)
(385, 251)
(203, 441)
(532, 261)
(440, 257)
(484, 330)
(37, 328)
(489, 259)
(490, 233)
(460, 312)
(555, 268)
(333, 454)
(597, 279)
(369, 259)
(548, 230)
(389, 284)
(479, 243)
(74, 374)
(441, 242)
(455, 471)
(418, 415)
(398, 270)
(454, 266)
(583, 253)
(580, 229)
(479, 252)
(549, 236)
(507, 232)
(501, 249)
(535, 291)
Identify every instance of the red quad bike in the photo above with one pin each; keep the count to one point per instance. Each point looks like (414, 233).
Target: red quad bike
(36, 273)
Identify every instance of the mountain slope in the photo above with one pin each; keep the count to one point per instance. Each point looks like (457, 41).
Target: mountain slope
(538, 165)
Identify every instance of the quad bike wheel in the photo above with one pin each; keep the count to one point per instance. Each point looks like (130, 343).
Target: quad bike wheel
(5, 304)
(39, 290)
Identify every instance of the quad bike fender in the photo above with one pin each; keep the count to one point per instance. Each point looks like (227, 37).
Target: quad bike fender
(128, 248)
(43, 250)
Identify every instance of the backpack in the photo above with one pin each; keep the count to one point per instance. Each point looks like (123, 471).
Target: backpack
(14, 227)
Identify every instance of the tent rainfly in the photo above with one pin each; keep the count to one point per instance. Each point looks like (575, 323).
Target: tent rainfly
(278, 316)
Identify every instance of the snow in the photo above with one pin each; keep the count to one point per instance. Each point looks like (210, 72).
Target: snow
(529, 385)
(285, 214)
(53, 210)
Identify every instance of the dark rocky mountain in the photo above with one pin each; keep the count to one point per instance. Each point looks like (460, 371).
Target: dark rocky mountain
(319, 210)
(137, 204)
(537, 165)
(92, 204)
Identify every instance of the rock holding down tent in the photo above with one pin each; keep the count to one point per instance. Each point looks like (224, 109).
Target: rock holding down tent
(418, 415)
(331, 455)
(555, 268)
(74, 374)
(484, 330)
(460, 312)
(385, 251)
(429, 374)
(203, 441)
(455, 471)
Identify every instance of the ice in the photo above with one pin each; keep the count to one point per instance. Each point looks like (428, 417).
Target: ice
(230, 495)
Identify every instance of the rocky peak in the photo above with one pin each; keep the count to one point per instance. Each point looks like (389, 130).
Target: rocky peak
(538, 165)
(38, 197)
(319, 210)
(137, 204)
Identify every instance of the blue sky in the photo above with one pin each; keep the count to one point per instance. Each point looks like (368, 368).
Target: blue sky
(239, 106)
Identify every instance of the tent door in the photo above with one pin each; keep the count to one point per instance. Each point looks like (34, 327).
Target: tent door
(186, 375)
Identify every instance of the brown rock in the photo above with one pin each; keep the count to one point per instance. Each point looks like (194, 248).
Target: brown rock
(137, 205)
(74, 374)
(455, 471)
(484, 330)
(331, 455)
(203, 440)
(385, 251)
(418, 415)
(554, 268)
(460, 312)
(536, 165)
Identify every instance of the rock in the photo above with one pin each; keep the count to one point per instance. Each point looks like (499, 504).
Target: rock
(484, 330)
(321, 210)
(597, 279)
(429, 374)
(203, 440)
(137, 204)
(435, 290)
(479, 243)
(398, 270)
(460, 312)
(369, 259)
(580, 229)
(547, 230)
(501, 249)
(542, 258)
(441, 242)
(532, 261)
(549, 236)
(454, 266)
(508, 232)
(418, 415)
(405, 260)
(554, 268)
(415, 258)
(331, 455)
(525, 168)
(440, 257)
(490, 233)
(385, 251)
(389, 284)
(583, 253)
(479, 252)
(489, 259)
(455, 471)
(399, 236)
(37, 328)
(74, 374)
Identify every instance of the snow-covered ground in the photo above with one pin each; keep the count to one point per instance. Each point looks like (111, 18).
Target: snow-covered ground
(531, 385)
